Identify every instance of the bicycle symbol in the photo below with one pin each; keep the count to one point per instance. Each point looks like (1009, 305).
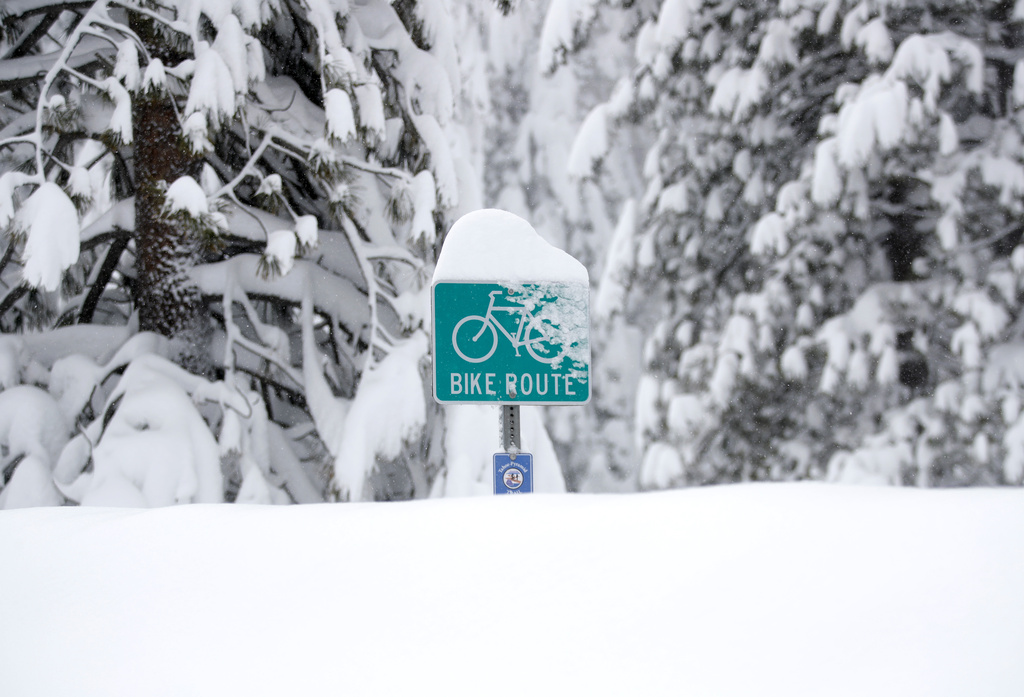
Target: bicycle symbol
(477, 344)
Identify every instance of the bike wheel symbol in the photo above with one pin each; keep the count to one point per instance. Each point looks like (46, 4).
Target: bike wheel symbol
(538, 342)
(477, 343)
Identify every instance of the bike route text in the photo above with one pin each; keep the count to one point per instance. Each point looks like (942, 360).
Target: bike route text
(515, 385)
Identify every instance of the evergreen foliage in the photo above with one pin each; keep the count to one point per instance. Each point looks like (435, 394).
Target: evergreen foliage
(826, 258)
(226, 185)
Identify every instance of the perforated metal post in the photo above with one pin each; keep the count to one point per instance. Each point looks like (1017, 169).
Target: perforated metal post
(510, 429)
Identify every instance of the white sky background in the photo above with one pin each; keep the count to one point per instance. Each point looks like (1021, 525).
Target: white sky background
(788, 590)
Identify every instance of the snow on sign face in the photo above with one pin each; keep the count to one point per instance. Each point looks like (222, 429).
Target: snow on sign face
(511, 316)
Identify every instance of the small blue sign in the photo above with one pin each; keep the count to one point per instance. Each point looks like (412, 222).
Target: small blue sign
(513, 476)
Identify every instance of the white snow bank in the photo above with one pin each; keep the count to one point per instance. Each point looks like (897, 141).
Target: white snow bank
(787, 590)
(495, 245)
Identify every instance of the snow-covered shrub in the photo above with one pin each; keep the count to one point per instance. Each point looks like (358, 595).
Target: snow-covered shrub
(33, 432)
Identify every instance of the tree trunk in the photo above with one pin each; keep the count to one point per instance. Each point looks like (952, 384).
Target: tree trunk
(167, 301)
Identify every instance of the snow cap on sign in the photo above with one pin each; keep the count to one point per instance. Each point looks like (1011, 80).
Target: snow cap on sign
(495, 245)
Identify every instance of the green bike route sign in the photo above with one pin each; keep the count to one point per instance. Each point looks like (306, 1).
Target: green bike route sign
(511, 343)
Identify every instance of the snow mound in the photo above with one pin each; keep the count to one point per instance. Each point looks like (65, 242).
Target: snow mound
(768, 590)
(495, 245)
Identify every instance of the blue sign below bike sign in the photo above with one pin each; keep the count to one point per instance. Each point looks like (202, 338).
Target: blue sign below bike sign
(519, 343)
(513, 476)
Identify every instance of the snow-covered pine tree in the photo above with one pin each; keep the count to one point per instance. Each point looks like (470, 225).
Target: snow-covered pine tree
(250, 189)
(827, 257)
(681, 245)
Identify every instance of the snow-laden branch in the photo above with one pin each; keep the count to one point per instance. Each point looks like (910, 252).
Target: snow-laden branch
(393, 253)
(19, 126)
(274, 348)
(78, 35)
(261, 351)
(174, 25)
(295, 147)
(337, 297)
(23, 8)
(328, 413)
(247, 170)
(17, 71)
(298, 148)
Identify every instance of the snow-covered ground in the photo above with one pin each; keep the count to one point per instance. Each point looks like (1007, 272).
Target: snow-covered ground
(786, 590)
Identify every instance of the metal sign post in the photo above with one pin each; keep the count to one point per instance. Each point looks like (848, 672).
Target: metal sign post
(513, 470)
(510, 429)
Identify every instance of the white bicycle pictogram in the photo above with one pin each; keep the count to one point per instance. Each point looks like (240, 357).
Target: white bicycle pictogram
(531, 332)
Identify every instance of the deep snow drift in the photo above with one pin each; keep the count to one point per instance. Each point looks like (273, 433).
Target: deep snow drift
(785, 590)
